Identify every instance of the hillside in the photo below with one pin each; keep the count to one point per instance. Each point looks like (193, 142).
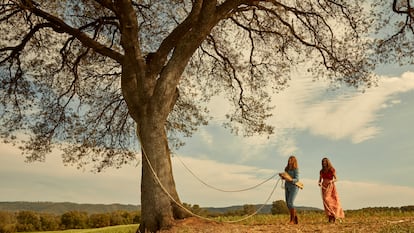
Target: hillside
(63, 207)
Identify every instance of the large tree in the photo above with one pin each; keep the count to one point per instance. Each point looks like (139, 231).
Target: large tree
(86, 75)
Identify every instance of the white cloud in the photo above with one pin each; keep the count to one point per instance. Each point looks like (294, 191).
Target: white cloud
(286, 146)
(355, 195)
(342, 114)
(52, 181)
(311, 106)
(206, 136)
(346, 117)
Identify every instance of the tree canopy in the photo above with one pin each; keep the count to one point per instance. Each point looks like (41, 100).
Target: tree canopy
(60, 64)
(394, 31)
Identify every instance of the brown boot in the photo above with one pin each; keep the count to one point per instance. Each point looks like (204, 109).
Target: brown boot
(295, 217)
(292, 216)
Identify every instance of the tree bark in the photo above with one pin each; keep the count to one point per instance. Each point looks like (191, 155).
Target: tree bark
(158, 209)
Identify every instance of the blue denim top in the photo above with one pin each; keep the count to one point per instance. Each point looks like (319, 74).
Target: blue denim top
(295, 176)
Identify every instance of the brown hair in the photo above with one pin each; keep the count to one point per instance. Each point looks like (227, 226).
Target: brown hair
(328, 165)
(293, 163)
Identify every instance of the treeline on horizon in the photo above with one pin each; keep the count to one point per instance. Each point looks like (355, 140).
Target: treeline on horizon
(63, 207)
(23, 216)
(27, 220)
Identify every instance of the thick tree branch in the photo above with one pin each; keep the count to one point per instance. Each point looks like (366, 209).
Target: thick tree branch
(60, 26)
(157, 60)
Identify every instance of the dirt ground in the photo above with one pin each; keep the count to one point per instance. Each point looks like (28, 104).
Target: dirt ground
(374, 224)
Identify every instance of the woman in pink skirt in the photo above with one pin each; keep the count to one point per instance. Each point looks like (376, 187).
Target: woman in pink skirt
(331, 203)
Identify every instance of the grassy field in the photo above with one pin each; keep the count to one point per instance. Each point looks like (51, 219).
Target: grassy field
(115, 229)
(354, 222)
(379, 222)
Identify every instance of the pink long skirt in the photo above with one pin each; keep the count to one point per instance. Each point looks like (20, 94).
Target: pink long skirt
(331, 202)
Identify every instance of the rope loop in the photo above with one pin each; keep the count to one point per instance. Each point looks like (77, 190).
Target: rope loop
(223, 190)
(196, 215)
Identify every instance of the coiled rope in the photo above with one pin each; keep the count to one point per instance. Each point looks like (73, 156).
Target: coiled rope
(187, 210)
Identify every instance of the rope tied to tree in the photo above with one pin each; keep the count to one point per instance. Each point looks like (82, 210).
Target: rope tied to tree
(190, 212)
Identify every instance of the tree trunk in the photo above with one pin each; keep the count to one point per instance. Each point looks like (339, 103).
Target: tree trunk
(158, 210)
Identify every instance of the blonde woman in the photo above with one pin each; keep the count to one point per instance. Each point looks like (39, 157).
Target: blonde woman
(331, 203)
(291, 177)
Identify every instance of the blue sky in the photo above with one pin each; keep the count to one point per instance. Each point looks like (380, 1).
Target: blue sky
(367, 136)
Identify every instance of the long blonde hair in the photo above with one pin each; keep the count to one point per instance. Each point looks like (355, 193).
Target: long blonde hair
(293, 163)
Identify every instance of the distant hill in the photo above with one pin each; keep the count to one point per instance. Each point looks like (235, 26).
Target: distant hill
(64, 207)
